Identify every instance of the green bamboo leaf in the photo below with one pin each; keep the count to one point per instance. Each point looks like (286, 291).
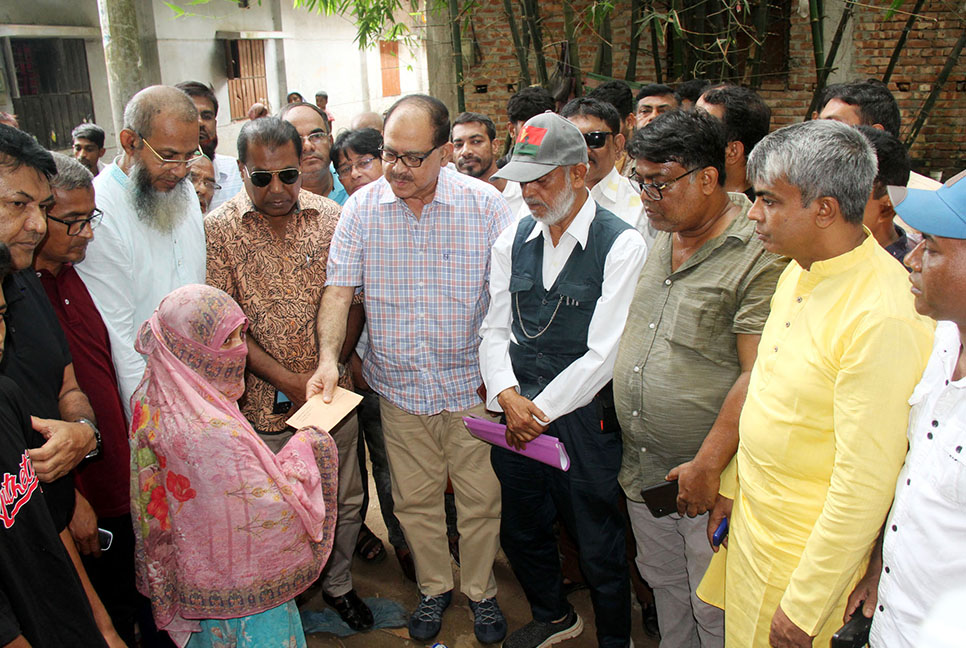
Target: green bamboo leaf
(892, 10)
(178, 11)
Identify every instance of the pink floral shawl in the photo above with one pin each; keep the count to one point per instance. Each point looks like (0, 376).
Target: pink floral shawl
(224, 527)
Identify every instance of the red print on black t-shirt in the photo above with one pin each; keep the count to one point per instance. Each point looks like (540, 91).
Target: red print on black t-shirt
(16, 490)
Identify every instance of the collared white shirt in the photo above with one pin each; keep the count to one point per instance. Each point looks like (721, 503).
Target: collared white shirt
(576, 385)
(924, 540)
(615, 194)
(513, 195)
(228, 178)
(130, 267)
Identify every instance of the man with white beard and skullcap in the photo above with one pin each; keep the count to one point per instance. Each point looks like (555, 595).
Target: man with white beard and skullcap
(151, 239)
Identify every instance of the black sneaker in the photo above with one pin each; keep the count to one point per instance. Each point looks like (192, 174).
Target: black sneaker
(427, 619)
(489, 625)
(538, 634)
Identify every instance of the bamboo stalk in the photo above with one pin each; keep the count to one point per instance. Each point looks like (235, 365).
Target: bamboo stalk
(833, 49)
(635, 45)
(454, 18)
(936, 89)
(902, 41)
(532, 20)
(521, 52)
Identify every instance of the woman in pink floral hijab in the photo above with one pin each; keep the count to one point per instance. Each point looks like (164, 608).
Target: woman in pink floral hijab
(228, 533)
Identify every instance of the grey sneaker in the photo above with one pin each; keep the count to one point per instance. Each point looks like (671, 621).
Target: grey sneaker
(538, 634)
(427, 619)
(489, 625)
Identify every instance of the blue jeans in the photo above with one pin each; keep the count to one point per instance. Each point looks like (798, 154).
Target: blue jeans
(587, 499)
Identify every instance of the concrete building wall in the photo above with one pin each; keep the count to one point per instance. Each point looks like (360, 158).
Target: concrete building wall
(303, 51)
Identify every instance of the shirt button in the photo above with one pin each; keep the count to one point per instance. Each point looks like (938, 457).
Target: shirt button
(959, 449)
(799, 300)
(887, 570)
(67, 301)
(637, 369)
(935, 423)
(421, 284)
(894, 528)
(929, 435)
(643, 449)
(908, 481)
(667, 282)
(881, 608)
(776, 349)
(787, 324)
(539, 355)
(634, 413)
(651, 325)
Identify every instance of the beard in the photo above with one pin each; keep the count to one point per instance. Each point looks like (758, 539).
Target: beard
(208, 148)
(160, 210)
(558, 208)
(484, 166)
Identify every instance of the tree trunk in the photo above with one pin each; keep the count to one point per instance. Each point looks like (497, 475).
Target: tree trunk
(656, 51)
(902, 41)
(936, 89)
(518, 47)
(573, 54)
(122, 53)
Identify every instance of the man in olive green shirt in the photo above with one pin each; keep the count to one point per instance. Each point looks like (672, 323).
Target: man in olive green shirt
(685, 357)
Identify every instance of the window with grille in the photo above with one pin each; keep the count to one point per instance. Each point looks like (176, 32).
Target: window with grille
(54, 88)
(246, 75)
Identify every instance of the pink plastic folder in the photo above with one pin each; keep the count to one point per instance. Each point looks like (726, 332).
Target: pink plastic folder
(545, 449)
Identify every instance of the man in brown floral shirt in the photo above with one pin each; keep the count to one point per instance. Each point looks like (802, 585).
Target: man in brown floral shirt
(267, 248)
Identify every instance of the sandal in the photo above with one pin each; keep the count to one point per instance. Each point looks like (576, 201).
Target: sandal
(369, 547)
(352, 609)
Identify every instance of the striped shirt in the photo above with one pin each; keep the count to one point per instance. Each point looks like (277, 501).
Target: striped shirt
(426, 287)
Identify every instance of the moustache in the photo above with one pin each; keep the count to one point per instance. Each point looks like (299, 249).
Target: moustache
(466, 159)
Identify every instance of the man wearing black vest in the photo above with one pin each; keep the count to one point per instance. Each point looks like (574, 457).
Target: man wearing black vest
(561, 282)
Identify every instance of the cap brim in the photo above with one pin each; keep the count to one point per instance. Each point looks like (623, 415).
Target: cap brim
(926, 211)
(524, 170)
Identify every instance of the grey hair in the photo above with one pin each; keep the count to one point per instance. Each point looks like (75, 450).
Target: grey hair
(147, 104)
(71, 174)
(822, 157)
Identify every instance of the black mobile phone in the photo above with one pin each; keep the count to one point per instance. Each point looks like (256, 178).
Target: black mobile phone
(661, 499)
(855, 633)
(282, 403)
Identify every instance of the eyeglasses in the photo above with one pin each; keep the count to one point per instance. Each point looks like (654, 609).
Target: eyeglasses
(263, 178)
(165, 161)
(654, 190)
(209, 184)
(77, 226)
(362, 164)
(597, 139)
(315, 138)
(411, 160)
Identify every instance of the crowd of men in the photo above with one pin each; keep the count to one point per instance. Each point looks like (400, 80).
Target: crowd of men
(688, 303)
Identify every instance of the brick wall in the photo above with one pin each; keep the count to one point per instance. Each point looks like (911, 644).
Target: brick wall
(941, 145)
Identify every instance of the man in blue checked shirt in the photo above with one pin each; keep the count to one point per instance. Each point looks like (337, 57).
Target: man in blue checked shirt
(417, 241)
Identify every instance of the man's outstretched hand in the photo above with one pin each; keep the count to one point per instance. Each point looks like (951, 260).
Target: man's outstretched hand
(323, 381)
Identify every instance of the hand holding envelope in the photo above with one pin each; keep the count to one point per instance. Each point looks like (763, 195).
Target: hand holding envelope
(325, 415)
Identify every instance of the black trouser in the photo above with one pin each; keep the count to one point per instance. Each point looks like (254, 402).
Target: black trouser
(587, 499)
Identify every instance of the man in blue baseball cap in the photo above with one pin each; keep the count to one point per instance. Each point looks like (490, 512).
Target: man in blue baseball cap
(921, 557)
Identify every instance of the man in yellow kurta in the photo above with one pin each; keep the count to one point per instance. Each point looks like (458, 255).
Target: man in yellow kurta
(822, 431)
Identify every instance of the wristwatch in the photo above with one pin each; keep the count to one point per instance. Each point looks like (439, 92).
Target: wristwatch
(97, 437)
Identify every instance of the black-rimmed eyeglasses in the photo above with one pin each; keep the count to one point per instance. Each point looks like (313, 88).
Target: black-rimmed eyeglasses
(653, 190)
(412, 160)
(76, 227)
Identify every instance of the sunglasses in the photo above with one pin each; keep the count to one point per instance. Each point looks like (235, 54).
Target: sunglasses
(597, 139)
(263, 178)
